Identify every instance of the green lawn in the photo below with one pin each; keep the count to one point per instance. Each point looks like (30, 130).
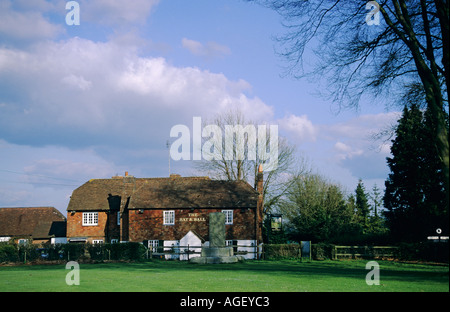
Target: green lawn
(250, 276)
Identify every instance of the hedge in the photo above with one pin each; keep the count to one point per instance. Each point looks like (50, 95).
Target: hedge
(8, 253)
(319, 251)
(282, 251)
(71, 252)
(123, 251)
(425, 251)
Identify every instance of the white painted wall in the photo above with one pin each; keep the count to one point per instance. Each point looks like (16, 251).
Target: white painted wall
(58, 240)
(192, 240)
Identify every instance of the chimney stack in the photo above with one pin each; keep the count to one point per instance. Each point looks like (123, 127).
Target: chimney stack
(259, 215)
(126, 173)
(260, 180)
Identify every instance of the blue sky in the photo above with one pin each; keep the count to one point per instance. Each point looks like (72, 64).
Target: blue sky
(98, 99)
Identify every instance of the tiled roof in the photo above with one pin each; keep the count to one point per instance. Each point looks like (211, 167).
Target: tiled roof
(35, 222)
(160, 193)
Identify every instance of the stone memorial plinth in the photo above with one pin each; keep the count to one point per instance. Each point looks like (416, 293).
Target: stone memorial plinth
(216, 252)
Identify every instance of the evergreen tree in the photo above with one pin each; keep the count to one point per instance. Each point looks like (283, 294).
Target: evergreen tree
(415, 189)
(362, 206)
(435, 193)
(376, 200)
(377, 226)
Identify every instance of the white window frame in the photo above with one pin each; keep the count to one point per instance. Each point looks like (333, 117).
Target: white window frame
(90, 218)
(97, 241)
(153, 244)
(169, 217)
(228, 216)
(22, 241)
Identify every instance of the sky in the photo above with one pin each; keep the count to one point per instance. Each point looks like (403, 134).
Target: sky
(94, 100)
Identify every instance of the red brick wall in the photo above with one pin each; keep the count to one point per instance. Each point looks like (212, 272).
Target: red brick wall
(75, 226)
(140, 225)
(148, 224)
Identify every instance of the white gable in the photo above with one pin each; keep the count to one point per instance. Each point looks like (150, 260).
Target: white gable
(190, 239)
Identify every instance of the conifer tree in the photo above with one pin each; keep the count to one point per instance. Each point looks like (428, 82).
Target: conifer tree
(415, 197)
(362, 206)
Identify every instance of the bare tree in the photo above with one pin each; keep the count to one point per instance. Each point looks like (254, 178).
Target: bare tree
(278, 166)
(403, 55)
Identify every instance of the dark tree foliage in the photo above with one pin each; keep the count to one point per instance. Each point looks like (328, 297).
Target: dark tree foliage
(415, 196)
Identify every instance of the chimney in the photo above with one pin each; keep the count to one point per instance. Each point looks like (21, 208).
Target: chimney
(260, 180)
(259, 215)
(126, 173)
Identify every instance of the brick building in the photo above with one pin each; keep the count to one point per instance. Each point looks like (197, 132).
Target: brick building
(163, 211)
(37, 225)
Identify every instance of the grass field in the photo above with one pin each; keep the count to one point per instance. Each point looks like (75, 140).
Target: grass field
(250, 276)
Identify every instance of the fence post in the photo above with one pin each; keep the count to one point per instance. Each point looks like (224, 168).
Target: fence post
(188, 252)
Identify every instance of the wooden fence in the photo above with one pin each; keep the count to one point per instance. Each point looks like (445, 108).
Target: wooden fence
(186, 252)
(365, 252)
(259, 252)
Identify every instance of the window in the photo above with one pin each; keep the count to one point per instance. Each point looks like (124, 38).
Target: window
(90, 218)
(153, 244)
(118, 217)
(114, 241)
(97, 241)
(228, 216)
(169, 217)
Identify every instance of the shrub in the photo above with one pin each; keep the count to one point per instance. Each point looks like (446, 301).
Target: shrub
(281, 251)
(322, 251)
(122, 251)
(425, 251)
(73, 252)
(8, 253)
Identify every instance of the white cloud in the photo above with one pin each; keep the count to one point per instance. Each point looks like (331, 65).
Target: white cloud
(346, 146)
(27, 24)
(345, 151)
(300, 128)
(77, 82)
(117, 12)
(354, 146)
(46, 176)
(99, 93)
(361, 127)
(209, 50)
